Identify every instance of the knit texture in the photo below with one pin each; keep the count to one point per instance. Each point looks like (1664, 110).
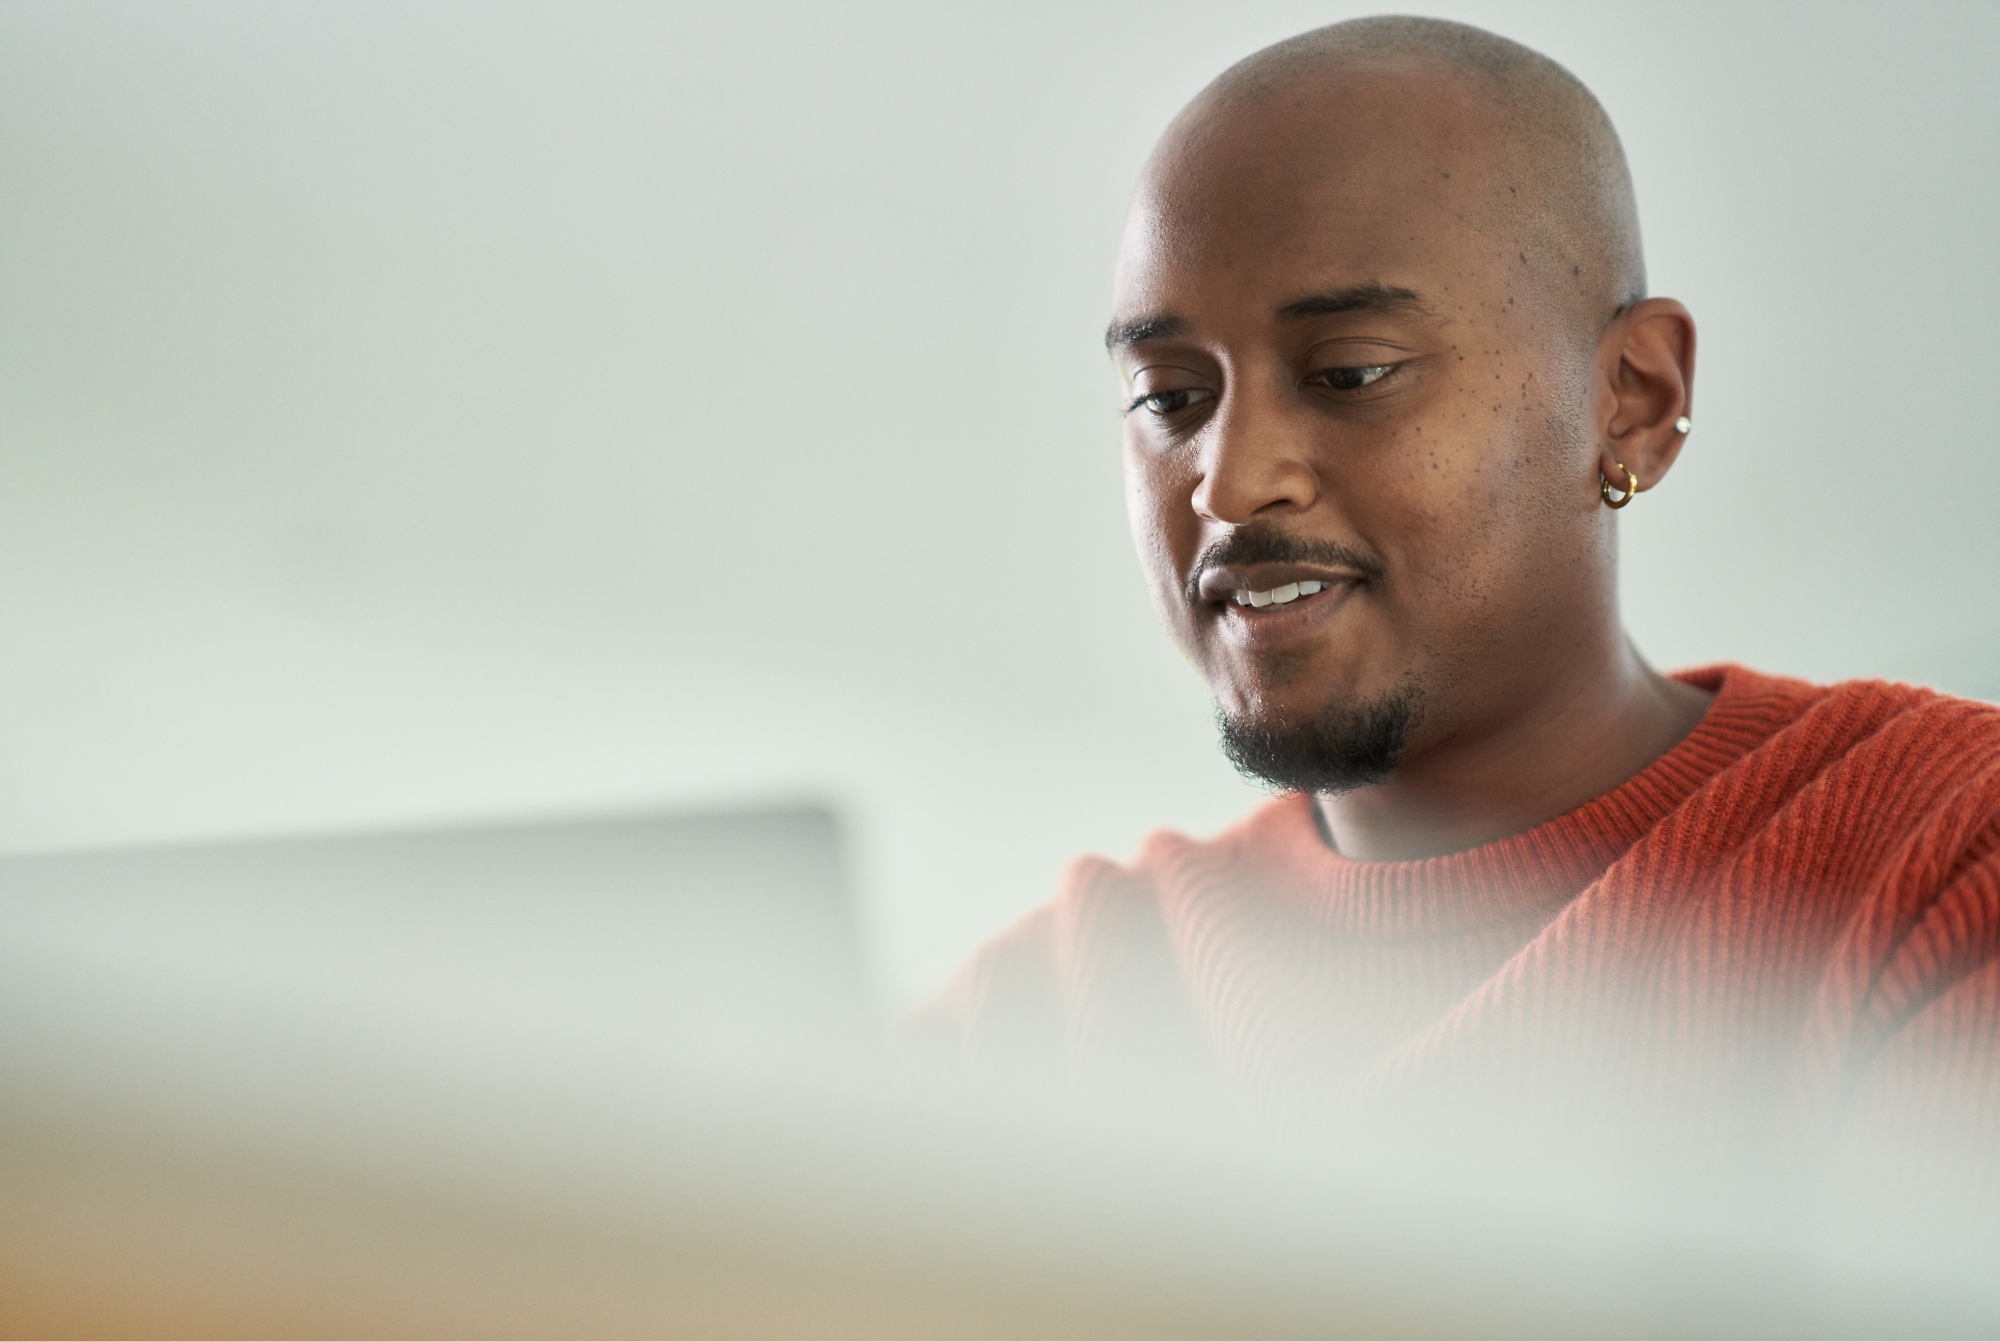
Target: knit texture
(1789, 922)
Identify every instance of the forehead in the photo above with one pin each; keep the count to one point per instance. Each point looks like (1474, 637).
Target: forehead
(1380, 179)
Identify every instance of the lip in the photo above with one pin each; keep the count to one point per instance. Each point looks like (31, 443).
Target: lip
(1222, 582)
(1267, 627)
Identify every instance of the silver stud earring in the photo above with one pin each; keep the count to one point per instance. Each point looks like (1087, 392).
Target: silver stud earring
(1683, 424)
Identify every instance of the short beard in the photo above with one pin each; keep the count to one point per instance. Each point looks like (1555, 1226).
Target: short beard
(1346, 745)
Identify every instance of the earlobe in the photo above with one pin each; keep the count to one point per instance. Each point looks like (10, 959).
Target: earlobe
(1630, 485)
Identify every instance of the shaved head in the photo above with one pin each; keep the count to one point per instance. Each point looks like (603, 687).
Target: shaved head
(1381, 316)
(1559, 191)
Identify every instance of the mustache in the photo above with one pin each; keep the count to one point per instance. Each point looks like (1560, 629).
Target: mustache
(1268, 545)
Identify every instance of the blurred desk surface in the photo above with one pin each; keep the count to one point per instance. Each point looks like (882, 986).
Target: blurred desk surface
(404, 1117)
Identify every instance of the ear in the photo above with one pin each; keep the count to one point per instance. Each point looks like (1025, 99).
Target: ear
(1645, 379)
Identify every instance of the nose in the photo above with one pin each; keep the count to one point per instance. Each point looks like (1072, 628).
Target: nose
(1258, 457)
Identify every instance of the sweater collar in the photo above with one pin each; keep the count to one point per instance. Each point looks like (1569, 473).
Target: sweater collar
(1529, 875)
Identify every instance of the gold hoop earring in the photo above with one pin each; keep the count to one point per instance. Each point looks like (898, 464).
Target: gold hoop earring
(1631, 488)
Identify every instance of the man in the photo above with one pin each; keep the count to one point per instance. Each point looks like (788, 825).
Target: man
(1391, 372)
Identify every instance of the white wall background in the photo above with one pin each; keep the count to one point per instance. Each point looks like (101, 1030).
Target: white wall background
(420, 412)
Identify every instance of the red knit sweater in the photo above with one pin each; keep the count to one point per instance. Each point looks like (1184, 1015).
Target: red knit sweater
(1789, 920)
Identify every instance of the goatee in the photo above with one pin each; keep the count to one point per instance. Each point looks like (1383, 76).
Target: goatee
(1346, 745)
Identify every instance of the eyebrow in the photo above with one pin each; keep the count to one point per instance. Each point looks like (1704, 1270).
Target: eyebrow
(1355, 298)
(1121, 334)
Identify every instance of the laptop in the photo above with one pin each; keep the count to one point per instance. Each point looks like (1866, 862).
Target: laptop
(723, 938)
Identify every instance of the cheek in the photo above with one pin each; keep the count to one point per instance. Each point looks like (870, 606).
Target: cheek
(1487, 512)
(1165, 531)
(1456, 488)
(1427, 488)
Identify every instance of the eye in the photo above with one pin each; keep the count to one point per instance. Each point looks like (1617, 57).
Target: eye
(1352, 379)
(1169, 402)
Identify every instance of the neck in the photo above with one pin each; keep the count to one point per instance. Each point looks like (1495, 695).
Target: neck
(1579, 738)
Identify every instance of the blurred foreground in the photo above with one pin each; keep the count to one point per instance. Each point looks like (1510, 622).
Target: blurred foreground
(624, 1078)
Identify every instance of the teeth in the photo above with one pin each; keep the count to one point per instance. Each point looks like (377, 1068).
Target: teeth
(1277, 596)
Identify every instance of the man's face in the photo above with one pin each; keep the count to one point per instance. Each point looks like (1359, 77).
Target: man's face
(1357, 457)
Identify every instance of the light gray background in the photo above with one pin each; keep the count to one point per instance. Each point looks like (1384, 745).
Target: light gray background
(456, 411)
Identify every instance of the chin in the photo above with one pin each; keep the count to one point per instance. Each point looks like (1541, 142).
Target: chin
(1333, 745)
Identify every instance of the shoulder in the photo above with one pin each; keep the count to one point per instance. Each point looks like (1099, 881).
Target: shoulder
(1098, 901)
(1878, 799)
(1907, 750)
(1100, 946)
(1842, 712)
(1900, 744)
